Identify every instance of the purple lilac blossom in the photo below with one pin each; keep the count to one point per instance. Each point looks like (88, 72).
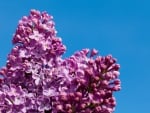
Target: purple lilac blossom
(36, 79)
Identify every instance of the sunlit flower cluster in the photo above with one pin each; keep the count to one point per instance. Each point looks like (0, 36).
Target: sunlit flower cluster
(36, 79)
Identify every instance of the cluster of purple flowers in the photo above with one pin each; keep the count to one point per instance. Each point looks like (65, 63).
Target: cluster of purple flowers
(37, 80)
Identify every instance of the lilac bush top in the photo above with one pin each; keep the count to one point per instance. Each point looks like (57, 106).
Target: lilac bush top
(37, 80)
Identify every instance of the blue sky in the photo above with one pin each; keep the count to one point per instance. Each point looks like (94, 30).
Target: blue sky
(117, 27)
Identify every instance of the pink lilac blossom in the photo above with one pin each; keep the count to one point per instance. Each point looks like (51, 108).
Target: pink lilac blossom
(37, 80)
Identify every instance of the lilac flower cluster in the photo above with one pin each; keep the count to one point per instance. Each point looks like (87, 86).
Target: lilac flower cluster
(37, 80)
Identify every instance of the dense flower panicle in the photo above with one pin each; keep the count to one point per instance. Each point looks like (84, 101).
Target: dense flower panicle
(37, 80)
(92, 87)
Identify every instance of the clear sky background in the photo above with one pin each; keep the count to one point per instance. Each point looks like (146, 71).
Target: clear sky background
(117, 27)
